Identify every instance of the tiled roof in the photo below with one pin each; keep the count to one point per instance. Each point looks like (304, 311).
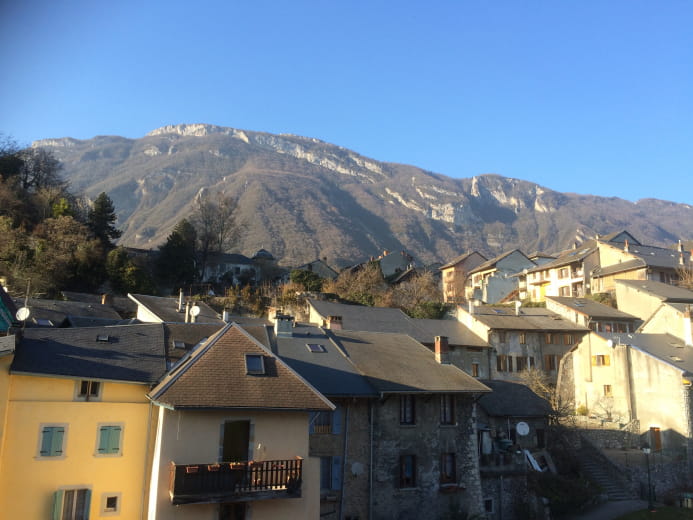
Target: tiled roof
(167, 309)
(395, 363)
(330, 371)
(133, 353)
(591, 308)
(186, 336)
(513, 400)
(215, 376)
(667, 348)
(662, 291)
(530, 318)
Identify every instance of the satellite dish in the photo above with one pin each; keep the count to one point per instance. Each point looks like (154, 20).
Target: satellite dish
(194, 310)
(522, 428)
(610, 343)
(23, 314)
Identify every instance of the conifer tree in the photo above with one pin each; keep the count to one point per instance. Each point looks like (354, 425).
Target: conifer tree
(101, 220)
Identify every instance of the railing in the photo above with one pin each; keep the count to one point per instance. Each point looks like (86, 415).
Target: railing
(235, 481)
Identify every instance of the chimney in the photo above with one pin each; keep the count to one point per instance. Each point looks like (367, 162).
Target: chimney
(187, 312)
(518, 304)
(283, 325)
(472, 304)
(180, 301)
(682, 260)
(106, 299)
(442, 350)
(334, 322)
(226, 316)
(625, 246)
(687, 327)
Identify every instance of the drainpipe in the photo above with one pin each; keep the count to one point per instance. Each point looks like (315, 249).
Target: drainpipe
(344, 456)
(146, 462)
(370, 462)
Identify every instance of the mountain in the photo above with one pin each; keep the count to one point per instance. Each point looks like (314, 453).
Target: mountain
(302, 198)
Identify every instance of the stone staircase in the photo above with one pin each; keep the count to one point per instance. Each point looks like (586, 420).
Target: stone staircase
(602, 473)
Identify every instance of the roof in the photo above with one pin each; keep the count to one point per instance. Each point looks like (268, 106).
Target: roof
(214, 376)
(387, 319)
(180, 338)
(130, 353)
(7, 345)
(529, 318)
(567, 257)
(331, 371)
(513, 400)
(166, 309)
(592, 308)
(122, 304)
(8, 310)
(666, 347)
(653, 256)
(490, 264)
(663, 291)
(395, 363)
(228, 258)
(57, 311)
(461, 258)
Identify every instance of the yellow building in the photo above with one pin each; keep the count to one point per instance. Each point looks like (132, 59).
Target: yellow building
(76, 422)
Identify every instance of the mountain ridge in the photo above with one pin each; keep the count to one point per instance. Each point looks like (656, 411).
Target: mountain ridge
(303, 198)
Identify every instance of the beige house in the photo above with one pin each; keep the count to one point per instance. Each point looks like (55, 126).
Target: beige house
(659, 304)
(496, 280)
(454, 275)
(232, 435)
(590, 313)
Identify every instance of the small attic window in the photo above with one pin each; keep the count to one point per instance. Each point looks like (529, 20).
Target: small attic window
(43, 322)
(178, 344)
(316, 347)
(676, 358)
(103, 338)
(254, 364)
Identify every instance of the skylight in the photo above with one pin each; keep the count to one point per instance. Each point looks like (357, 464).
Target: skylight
(316, 347)
(255, 364)
(178, 344)
(103, 338)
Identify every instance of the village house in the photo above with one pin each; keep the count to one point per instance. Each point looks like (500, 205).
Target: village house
(454, 275)
(232, 435)
(402, 441)
(496, 279)
(157, 309)
(658, 304)
(590, 313)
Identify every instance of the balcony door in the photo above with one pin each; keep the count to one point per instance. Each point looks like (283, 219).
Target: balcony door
(235, 441)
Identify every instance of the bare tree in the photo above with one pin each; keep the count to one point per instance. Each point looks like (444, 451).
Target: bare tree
(215, 222)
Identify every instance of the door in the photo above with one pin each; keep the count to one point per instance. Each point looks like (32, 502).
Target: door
(235, 441)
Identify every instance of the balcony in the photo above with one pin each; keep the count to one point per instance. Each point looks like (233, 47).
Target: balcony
(235, 481)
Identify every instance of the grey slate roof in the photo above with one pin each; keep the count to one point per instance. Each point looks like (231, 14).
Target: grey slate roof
(513, 400)
(57, 311)
(460, 258)
(456, 332)
(7, 345)
(667, 348)
(568, 256)
(331, 372)
(395, 363)
(186, 336)
(530, 318)
(663, 291)
(133, 353)
(493, 261)
(167, 309)
(592, 308)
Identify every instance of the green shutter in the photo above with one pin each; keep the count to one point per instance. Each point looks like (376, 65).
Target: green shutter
(109, 439)
(46, 441)
(52, 441)
(58, 505)
(87, 503)
(57, 444)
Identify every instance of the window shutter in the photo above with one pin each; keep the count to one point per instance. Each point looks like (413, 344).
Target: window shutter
(337, 420)
(46, 441)
(87, 503)
(336, 473)
(312, 418)
(103, 439)
(58, 504)
(57, 441)
(607, 360)
(114, 440)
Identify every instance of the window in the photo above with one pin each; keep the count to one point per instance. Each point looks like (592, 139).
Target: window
(448, 473)
(177, 344)
(71, 504)
(407, 409)
(110, 504)
(488, 505)
(563, 273)
(88, 390)
(407, 471)
(564, 291)
(255, 364)
(568, 339)
(52, 440)
(548, 339)
(501, 336)
(475, 369)
(607, 391)
(531, 361)
(502, 363)
(550, 362)
(523, 338)
(601, 360)
(315, 347)
(330, 473)
(326, 422)
(447, 409)
(521, 363)
(108, 440)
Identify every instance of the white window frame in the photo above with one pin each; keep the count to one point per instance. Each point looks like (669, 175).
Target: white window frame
(87, 397)
(104, 510)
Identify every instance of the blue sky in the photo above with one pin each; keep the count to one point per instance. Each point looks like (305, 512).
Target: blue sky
(586, 97)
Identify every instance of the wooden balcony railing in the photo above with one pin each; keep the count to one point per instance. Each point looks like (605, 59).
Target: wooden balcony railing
(235, 481)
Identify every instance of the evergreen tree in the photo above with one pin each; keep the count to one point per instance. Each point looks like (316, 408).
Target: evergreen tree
(176, 265)
(101, 220)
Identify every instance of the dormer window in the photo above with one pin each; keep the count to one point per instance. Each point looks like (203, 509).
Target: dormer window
(255, 364)
(88, 390)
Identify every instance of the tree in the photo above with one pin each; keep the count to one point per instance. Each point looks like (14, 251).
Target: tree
(101, 220)
(214, 220)
(307, 280)
(176, 265)
(364, 285)
(125, 276)
(420, 296)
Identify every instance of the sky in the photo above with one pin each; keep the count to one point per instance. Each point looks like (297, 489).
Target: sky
(591, 97)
